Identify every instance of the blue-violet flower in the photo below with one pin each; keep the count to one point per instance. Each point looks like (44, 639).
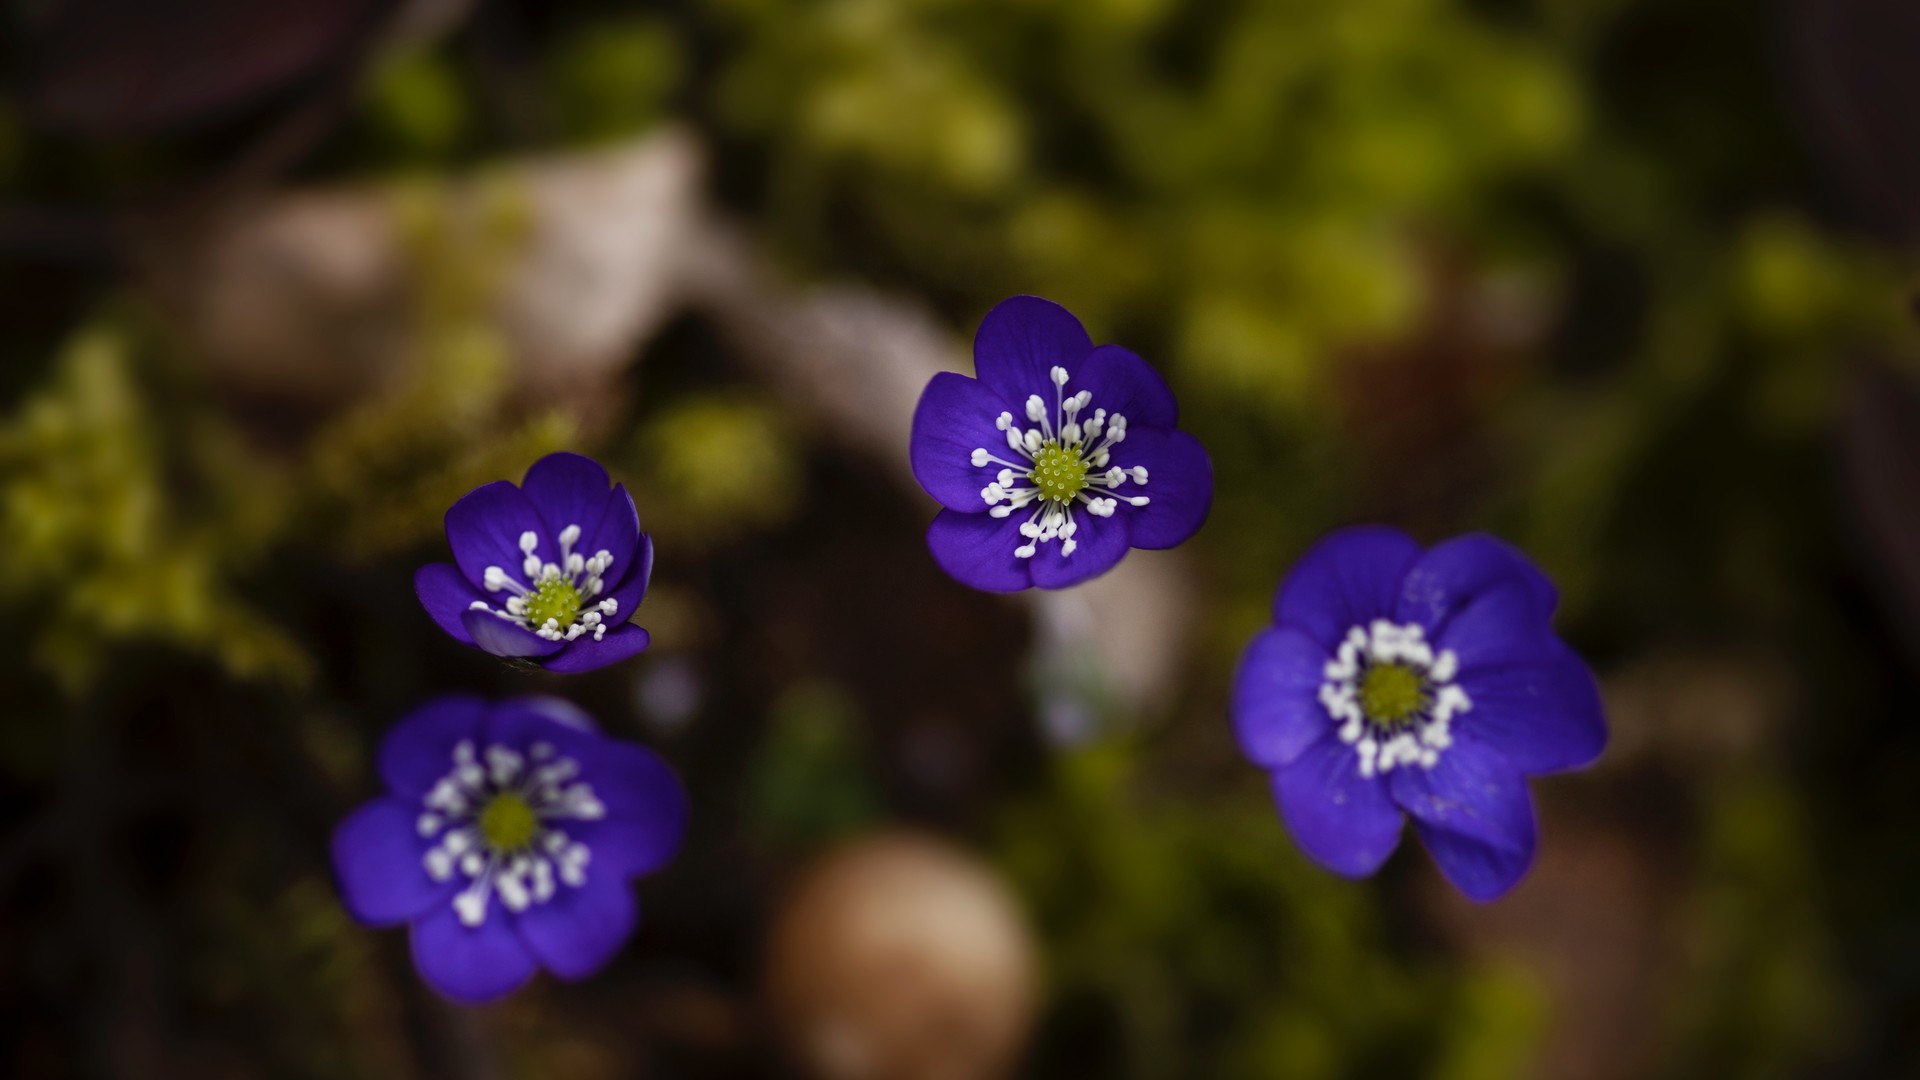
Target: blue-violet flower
(507, 839)
(1054, 461)
(1431, 684)
(549, 572)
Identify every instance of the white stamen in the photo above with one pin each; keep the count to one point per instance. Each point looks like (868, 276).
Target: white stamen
(1090, 440)
(1384, 744)
(525, 875)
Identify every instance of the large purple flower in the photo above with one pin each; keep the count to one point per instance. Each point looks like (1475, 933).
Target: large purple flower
(1058, 458)
(1428, 683)
(549, 572)
(508, 838)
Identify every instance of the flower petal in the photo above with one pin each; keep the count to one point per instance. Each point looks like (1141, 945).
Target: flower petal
(1541, 717)
(628, 848)
(520, 722)
(587, 654)
(1021, 341)
(618, 534)
(1101, 544)
(977, 550)
(484, 528)
(1123, 383)
(1449, 575)
(1474, 815)
(1500, 626)
(377, 855)
(493, 634)
(1343, 821)
(568, 489)
(1276, 697)
(471, 964)
(418, 750)
(1346, 580)
(633, 588)
(446, 595)
(1179, 486)
(576, 932)
(955, 417)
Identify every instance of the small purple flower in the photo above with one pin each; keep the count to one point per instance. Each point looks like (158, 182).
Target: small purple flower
(1056, 460)
(507, 840)
(549, 572)
(1401, 681)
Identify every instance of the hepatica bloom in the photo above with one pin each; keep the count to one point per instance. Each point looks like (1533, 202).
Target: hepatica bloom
(507, 839)
(1400, 682)
(1054, 461)
(549, 571)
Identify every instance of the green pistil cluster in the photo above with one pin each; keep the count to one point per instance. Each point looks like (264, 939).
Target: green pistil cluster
(556, 598)
(1392, 694)
(508, 823)
(1060, 472)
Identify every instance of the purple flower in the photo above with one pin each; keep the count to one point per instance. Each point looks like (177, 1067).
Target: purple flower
(1400, 681)
(550, 571)
(1058, 458)
(507, 839)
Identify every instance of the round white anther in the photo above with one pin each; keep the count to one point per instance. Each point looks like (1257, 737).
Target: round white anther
(981, 457)
(528, 541)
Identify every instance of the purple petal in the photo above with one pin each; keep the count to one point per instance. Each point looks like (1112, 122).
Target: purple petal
(547, 707)
(418, 750)
(472, 965)
(1346, 580)
(626, 848)
(1101, 543)
(637, 784)
(1473, 814)
(1179, 486)
(502, 638)
(1498, 627)
(955, 417)
(1276, 705)
(1541, 717)
(446, 595)
(575, 933)
(1021, 341)
(1123, 383)
(521, 722)
(633, 588)
(1449, 575)
(619, 534)
(484, 529)
(977, 550)
(586, 654)
(376, 856)
(568, 489)
(1343, 821)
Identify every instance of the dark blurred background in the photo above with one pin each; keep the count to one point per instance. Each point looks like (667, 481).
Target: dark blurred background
(1625, 281)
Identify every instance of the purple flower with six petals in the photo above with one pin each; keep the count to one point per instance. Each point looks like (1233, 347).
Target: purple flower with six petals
(1424, 683)
(549, 571)
(508, 838)
(1054, 461)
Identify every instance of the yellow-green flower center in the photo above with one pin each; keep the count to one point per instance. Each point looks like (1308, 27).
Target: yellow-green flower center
(556, 598)
(1060, 472)
(508, 823)
(1392, 694)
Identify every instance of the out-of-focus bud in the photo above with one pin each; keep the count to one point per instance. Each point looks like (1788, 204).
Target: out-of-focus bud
(900, 957)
